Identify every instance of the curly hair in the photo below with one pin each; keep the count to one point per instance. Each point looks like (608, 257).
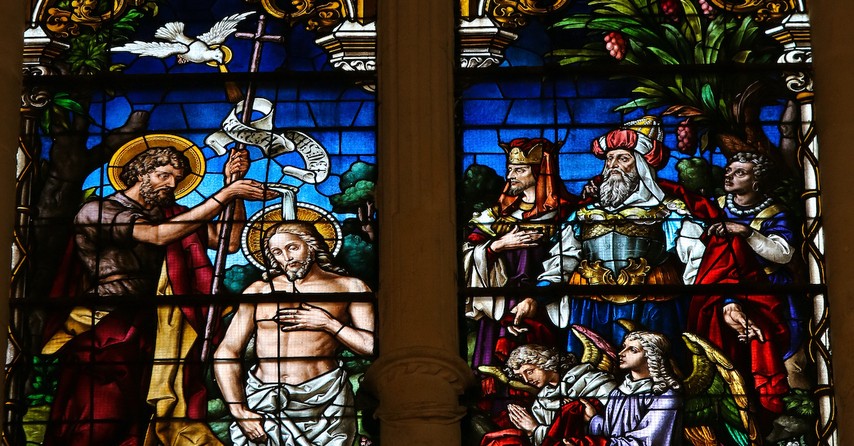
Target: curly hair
(656, 348)
(309, 235)
(540, 356)
(152, 158)
(763, 168)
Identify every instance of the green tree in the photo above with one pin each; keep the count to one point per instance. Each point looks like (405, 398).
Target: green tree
(695, 42)
(480, 187)
(357, 197)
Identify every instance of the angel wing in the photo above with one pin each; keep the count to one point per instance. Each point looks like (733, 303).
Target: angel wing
(154, 49)
(502, 377)
(597, 351)
(223, 28)
(716, 408)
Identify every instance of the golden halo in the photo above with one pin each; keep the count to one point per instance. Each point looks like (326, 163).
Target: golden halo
(257, 226)
(136, 146)
(227, 55)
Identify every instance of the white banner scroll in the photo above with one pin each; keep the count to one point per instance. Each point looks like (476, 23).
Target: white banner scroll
(259, 133)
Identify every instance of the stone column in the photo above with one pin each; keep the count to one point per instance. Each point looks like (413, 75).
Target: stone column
(833, 55)
(419, 374)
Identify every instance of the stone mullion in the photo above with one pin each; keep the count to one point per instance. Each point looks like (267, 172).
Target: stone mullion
(419, 373)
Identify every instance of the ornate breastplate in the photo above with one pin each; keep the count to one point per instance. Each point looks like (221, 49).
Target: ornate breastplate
(623, 240)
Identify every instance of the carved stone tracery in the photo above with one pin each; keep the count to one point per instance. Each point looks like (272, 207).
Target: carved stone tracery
(65, 23)
(319, 16)
(513, 14)
(761, 10)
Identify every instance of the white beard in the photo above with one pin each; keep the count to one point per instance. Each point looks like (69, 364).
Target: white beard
(617, 187)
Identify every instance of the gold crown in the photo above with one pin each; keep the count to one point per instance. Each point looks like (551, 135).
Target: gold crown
(648, 125)
(517, 156)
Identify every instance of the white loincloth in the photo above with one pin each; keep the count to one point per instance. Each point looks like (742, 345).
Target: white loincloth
(317, 412)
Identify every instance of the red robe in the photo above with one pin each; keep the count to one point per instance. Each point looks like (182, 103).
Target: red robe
(104, 372)
(732, 261)
(568, 425)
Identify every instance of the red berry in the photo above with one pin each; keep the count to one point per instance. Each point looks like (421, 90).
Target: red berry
(615, 43)
(686, 137)
(670, 8)
(707, 8)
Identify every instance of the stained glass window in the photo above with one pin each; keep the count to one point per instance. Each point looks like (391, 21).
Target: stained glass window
(195, 254)
(640, 259)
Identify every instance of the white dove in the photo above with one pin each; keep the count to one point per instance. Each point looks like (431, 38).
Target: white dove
(187, 49)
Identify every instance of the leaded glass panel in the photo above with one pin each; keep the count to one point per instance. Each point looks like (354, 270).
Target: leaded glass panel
(640, 255)
(196, 251)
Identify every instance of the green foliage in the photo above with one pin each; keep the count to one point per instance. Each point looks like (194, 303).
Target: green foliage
(693, 39)
(800, 403)
(349, 201)
(359, 258)
(59, 111)
(354, 364)
(220, 418)
(358, 171)
(699, 176)
(788, 192)
(44, 380)
(88, 54)
(217, 408)
(239, 277)
(357, 188)
(480, 188)
(89, 50)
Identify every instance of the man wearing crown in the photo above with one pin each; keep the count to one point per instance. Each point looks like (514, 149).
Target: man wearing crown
(506, 246)
(641, 230)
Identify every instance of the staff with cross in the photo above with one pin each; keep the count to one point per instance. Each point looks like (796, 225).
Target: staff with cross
(258, 38)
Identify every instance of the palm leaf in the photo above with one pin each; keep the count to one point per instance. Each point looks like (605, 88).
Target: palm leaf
(699, 53)
(651, 92)
(677, 41)
(626, 25)
(663, 56)
(714, 37)
(683, 111)
(692, 21)
(679, 82)
(708, 97)
(682, 96)
(615, 6)
(63, 100)
(642, 103)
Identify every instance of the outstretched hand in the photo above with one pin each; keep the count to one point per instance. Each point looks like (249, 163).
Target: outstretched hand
(248, 190)
(517, 238)
(525, 309)
(735, 317)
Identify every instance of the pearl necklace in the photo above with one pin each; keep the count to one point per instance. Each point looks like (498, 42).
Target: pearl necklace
(734, 208)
